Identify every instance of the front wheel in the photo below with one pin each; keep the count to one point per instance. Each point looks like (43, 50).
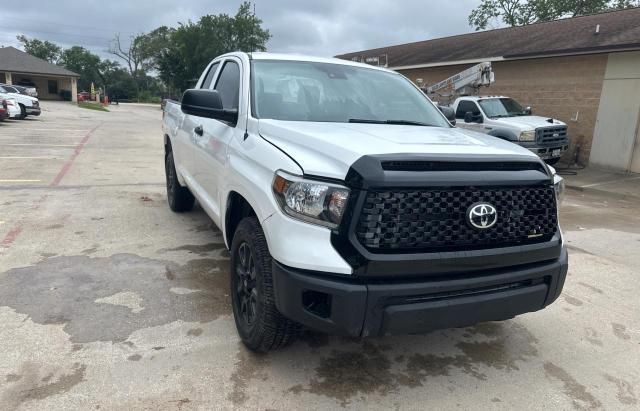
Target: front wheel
(552, 161)
(259, 323)
(23, 112)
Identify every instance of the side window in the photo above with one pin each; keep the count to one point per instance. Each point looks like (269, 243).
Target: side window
(228, 85)
(209, 78)
(465, 106)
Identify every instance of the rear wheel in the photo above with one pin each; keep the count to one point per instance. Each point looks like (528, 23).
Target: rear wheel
(259, 323)
(180, 198)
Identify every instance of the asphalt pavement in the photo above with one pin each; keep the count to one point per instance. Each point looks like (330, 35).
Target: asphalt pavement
(110, 301)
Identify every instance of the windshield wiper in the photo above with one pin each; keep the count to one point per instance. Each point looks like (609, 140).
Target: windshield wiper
(399, 122)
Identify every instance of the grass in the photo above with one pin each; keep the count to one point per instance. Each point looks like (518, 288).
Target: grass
(92, 106)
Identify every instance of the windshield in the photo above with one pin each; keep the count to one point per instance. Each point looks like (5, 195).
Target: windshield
(501, 107)
(309, 91)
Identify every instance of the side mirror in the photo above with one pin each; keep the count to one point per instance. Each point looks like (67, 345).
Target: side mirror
(449, 113)
(469, 117)
(206, 103)
(528, 111)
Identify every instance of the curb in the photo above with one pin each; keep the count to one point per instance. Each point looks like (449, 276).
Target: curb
(612, 194)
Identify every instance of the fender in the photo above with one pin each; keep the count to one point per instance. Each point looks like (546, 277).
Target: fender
(504, 134)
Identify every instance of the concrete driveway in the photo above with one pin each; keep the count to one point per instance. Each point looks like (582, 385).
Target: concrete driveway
(110, 301)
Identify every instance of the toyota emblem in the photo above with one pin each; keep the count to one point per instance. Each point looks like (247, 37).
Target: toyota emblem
(482, 216)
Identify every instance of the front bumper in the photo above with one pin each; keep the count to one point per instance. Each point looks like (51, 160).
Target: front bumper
(33, 111)
(549, 150)
(357, 307)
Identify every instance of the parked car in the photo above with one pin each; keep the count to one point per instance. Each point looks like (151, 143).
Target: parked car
(30, 106)
(13, 109)
(30, 86)
(351, 206)
(505, 118)
(27, 91)
(84, 96)
(4, 111)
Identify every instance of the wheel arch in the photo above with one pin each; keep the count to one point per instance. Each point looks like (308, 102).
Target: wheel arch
(237, 207)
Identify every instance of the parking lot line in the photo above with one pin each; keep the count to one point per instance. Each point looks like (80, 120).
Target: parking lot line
(39, 145)
(67, 166)
(20, 181)
(71, 130)
(28, 158)
(11, 236)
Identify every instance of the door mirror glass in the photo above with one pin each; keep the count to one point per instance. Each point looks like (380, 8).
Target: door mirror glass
(469, 117)
(528, 111)
(206, 103)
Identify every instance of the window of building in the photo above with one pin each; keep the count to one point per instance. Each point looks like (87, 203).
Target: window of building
(53, 86)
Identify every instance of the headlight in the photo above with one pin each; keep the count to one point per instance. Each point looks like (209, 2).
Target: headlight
(311, 201)
(527, 136)
(558, 185)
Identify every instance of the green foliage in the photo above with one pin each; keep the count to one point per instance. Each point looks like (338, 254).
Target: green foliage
(188, 49)
(521, 12)
(41, 49)
(176, 55)
(81, 61)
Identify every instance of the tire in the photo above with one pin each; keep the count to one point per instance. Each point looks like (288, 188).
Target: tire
(180, 198)
(23, 112)
(259, 323)
(553, 161)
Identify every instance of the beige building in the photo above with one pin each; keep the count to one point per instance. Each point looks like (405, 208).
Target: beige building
(51, 81)
(584, 71)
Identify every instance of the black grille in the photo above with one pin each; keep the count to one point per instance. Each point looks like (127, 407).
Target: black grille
(549, 135)
(429, 220)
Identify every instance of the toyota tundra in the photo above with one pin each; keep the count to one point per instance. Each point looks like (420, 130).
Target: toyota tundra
(351, 205)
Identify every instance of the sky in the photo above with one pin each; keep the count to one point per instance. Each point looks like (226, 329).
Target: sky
(315, 27)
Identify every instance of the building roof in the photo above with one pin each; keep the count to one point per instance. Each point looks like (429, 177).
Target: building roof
(14, 60)
(618, 30)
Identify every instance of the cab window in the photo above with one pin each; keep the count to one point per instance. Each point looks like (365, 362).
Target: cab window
(228, 85)
(464, 107)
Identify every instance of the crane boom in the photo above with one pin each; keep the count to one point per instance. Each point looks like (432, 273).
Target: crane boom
(474, 77)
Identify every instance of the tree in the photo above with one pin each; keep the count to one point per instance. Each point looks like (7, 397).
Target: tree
(521, 12)
(189, 48)
(133, 55)
(42, 49)
(81, 61)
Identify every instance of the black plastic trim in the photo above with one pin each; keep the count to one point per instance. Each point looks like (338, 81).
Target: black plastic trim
(374, 307)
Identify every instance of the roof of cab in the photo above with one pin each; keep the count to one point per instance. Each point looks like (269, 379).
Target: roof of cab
(482, 97)
(314, 59)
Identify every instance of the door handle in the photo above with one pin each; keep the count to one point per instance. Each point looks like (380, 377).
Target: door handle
(198, 130)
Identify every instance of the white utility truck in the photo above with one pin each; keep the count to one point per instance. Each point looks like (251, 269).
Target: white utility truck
(500, 116)
(350, 205)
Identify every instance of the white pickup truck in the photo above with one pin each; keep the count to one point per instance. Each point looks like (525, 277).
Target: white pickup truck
(503, 117)
(350, 205)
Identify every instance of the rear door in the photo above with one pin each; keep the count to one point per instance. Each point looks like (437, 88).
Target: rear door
(211, 146)
(186, 137)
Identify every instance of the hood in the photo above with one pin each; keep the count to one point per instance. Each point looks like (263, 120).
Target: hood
(329, 149)
(525, 123)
